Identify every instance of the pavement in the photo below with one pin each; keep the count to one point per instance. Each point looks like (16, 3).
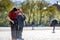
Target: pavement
(39, 33)
(5, 33)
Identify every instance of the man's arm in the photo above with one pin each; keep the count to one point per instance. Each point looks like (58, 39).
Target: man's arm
(10, 20)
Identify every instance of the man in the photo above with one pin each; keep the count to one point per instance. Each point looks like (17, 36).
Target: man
(13, 21)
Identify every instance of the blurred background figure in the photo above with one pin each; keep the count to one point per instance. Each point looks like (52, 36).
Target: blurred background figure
(53, 24)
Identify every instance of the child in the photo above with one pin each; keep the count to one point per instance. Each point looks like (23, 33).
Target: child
(20, 19)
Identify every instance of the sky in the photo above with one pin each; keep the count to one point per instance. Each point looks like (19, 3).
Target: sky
(18, 0)
(51, 1)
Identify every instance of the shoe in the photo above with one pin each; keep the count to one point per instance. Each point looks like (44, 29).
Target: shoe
(18, 39)
(21, 39)
(53, 32)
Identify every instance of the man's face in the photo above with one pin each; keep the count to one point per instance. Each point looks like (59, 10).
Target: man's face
(16, 11)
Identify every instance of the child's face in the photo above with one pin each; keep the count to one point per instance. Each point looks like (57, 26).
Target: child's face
(19, 14)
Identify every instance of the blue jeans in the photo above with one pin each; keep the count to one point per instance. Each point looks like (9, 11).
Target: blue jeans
(19, 32)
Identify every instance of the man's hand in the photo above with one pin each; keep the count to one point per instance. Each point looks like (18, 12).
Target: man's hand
(12, 22)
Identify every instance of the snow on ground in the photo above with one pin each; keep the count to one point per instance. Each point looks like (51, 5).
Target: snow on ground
(45, 34)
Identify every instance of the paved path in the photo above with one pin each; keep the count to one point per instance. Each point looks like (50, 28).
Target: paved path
(45, 34)
(41, 35)
(5, 33)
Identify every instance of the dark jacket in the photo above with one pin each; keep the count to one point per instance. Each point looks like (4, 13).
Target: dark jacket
(20, 20)
(54, 23)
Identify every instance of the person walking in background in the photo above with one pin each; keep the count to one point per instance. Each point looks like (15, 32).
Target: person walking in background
(13, 22)
(54, 23)
(20, 19)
